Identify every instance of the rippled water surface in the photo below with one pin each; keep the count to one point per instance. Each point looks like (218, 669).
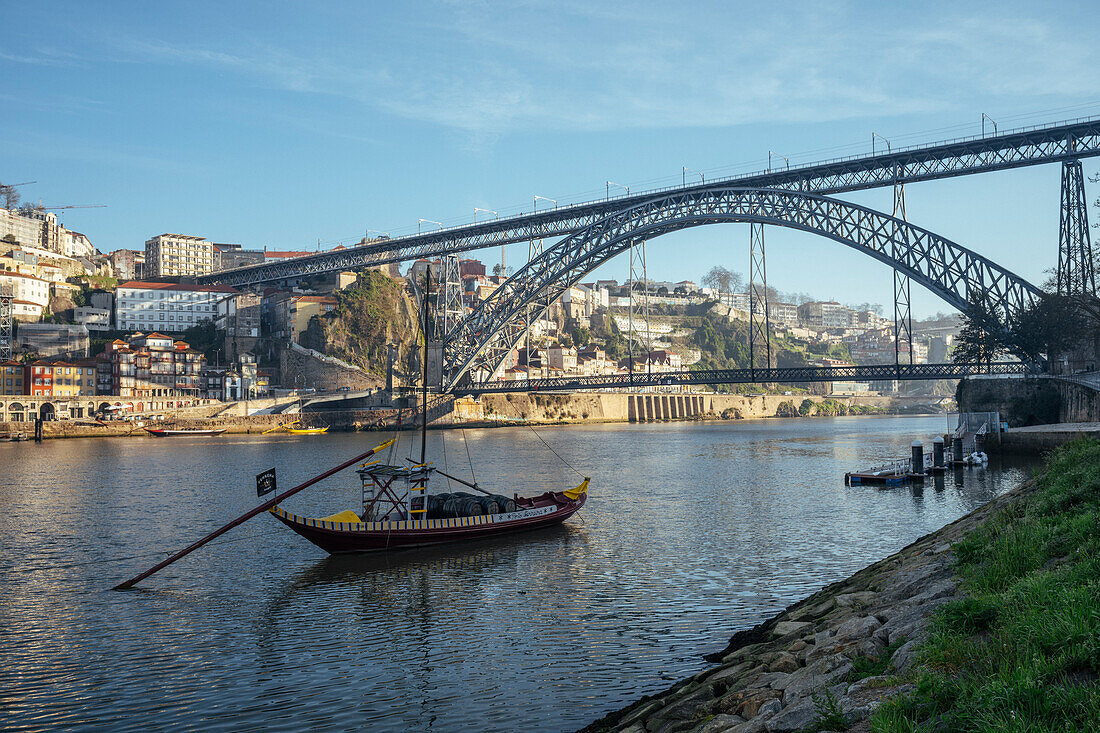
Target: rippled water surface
(692, 531)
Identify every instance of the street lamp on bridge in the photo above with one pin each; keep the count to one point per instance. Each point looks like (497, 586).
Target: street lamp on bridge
(880, 137)
(987, 117)
(784, 157)
(487, 211)
(420, 222)
(686, 170)
(619, 185)
(536, 201)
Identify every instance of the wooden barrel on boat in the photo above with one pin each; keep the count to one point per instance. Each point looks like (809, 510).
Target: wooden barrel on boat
(489, 504)
(506, 505)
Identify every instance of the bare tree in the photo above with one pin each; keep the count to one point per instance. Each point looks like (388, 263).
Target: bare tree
(10, 196)
(723, 279)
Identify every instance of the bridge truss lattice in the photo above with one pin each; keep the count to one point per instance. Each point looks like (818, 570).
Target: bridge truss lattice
(953, 272)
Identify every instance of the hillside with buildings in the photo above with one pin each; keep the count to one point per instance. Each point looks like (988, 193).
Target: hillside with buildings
(134, 317)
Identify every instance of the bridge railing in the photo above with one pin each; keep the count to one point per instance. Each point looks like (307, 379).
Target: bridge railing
(782, 375)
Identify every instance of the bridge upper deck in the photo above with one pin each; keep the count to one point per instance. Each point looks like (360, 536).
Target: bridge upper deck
(945, 159)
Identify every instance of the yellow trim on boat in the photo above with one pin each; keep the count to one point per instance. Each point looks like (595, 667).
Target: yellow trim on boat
(576, 493)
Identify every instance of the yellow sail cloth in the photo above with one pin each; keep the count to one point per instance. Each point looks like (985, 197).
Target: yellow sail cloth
(574, 494)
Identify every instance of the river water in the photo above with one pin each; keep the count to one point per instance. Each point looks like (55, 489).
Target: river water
(691, 532)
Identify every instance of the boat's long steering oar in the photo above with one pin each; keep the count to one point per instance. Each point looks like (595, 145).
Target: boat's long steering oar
(248, 515)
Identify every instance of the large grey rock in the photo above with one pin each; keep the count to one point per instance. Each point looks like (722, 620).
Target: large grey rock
(790, 627)
(768, 709)
(756, 725)
(726, 672)
(934, 591)
(814, 677)
(857, 628)
(793, 717)
(720, 723)
(765, 680)
(684, 706)
(785, 662)
(860, 599)
(906, 655)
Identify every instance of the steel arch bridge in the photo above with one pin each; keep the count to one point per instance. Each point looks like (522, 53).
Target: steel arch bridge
(1062, 142)
(950, 270)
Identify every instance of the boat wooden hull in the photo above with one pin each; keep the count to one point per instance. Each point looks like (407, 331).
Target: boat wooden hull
(164, 433)
(343, 537)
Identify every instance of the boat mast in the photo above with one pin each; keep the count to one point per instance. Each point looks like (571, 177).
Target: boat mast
(424, 383)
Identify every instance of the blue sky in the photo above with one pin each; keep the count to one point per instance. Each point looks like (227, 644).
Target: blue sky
(281, 123)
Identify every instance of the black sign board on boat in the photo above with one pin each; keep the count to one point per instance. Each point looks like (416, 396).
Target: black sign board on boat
(265, 482)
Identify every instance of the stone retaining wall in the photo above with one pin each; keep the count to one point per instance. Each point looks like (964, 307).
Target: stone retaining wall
(626, 407)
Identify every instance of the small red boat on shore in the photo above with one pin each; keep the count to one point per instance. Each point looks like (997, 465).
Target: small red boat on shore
(169, 433)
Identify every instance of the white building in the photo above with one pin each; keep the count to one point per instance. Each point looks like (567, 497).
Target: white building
(27, 288)
(94, 319)
(146, 306)
(172, 255)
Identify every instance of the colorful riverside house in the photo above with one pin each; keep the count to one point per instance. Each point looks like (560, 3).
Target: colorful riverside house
(60, 378)
(11, 378)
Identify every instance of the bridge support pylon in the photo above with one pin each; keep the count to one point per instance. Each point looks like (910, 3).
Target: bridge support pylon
(6, 298)
(538, 308)
(760, 340)
(1076, 268)
(903, 314)
(638, 310)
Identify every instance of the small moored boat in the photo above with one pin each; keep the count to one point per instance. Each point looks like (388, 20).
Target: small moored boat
(398, 512)
(171, 433)
(305, 431)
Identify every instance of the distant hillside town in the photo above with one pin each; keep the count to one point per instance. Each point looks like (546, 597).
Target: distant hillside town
(133, 324)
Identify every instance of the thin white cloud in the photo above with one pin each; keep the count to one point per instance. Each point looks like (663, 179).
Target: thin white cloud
(489, 71)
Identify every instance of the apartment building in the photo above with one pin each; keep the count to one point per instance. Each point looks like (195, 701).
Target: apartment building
(238, 317)
(127, 264)
(176, 255)
(783, 313)
(168, 307)
(290, 313)
(153, 365)
(827, 314)
(228, 256)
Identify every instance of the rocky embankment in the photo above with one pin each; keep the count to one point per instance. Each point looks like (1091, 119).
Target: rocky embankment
(826, 662)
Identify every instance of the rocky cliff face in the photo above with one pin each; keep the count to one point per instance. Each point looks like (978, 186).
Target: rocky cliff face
(372, 314)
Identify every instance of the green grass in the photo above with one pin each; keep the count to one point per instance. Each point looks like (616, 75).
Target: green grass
(863, 667)
(1021, 652)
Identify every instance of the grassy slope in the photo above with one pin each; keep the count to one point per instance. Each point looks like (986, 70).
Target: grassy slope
(1022, 651)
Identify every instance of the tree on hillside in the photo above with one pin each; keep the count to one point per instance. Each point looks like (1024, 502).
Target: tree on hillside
(1053, 326)
(723, 279)
(10, 197)
(983, 335)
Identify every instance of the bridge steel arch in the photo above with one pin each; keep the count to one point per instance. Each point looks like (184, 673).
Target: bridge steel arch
(949, 270)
